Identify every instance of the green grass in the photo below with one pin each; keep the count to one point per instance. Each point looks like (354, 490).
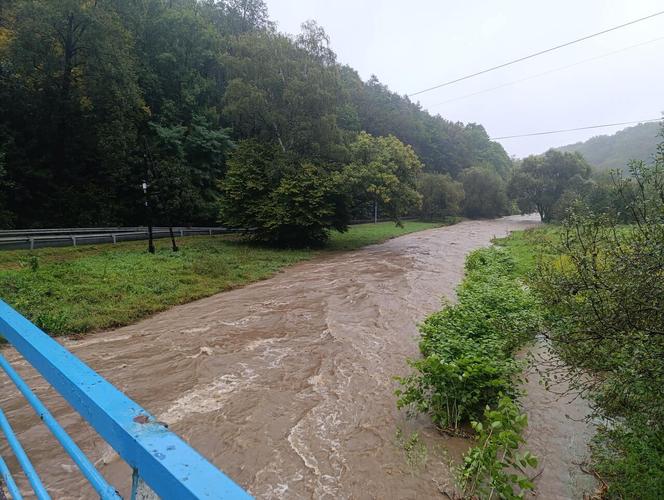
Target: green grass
(368, 234)
(78, 290)
(528, 247)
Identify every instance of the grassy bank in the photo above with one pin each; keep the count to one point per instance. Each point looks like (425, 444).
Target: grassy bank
(77, 290)
(528, 247)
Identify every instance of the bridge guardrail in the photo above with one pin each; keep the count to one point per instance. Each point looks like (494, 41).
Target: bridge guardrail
(162, 463)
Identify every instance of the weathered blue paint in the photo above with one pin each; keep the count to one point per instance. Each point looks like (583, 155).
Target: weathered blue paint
(9, 481)
(167, 464)
(105, 490)
(19, 453)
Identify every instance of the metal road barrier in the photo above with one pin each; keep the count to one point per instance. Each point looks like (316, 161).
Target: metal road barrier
(163, 465)
(17, 239)
(41, 238)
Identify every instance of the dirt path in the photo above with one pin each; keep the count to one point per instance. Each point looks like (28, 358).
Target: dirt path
(287, 384)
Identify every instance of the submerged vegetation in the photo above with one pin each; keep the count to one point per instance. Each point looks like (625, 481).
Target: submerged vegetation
(468, 372)
(468, 348)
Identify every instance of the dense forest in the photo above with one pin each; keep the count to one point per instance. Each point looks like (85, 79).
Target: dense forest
(200, 98)
(609, 152)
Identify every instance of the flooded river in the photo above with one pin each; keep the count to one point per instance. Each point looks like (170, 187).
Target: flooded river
(287, 384)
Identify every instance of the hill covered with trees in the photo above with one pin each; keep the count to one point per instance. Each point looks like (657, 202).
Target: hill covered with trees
(610, 152)
(97, 97)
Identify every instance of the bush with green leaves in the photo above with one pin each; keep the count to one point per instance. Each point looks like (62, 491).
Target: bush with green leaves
(631, 460)
(468, 348)
(484, 193)
(288, 203)
(605, 317)
(495, 466)
(441, 195)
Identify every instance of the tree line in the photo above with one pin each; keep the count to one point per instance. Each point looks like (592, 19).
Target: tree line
(615, 151)
(200, 98)
(227, 120)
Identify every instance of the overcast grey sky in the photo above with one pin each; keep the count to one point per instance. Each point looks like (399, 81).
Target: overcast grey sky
(412, 45)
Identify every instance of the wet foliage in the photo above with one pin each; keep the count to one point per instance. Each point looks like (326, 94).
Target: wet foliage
(605, 302)
(495, 465)
(468, 374)
(468, 348)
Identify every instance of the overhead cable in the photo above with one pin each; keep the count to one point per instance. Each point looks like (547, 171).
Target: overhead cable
(530, 56)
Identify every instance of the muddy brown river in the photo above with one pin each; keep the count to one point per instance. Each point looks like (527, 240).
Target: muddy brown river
(287, 384)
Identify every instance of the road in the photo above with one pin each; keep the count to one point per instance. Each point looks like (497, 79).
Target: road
(287, 384)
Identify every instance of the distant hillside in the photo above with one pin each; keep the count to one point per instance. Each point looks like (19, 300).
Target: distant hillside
(606, 152)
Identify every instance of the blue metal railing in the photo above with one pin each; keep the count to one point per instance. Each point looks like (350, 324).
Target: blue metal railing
(159, 459)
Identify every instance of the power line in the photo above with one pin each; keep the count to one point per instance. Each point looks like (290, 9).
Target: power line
(573, 129)
(530, 56)
(514, 82)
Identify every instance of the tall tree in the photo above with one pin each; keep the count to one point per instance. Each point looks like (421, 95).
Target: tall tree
(71, 101)
(285, 92)
(442, 196)
(484, 193)
(540, 181)
(286, 201)
(383, 172)
(184, 167)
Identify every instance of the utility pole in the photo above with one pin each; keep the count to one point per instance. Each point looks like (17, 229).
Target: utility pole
(148, 212)
(148, 209)
(375, 211)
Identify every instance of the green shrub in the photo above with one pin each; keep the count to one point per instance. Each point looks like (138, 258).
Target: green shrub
(453, 391)
(287, 202)
(631, 460)
(469, 347)
(604, 296)
(494, 465)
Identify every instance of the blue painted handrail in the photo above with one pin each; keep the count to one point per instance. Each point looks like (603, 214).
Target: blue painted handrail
(9, 481)
(105, 490)
(158, 457)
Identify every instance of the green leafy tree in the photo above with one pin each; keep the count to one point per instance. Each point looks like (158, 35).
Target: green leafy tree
(442, 145)
(71, 101)
(383, 171)
(484, 193)
(287, 202)
(605, 297)
(540, 181)
(184, 167)
(441, 195)
(285, 92)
